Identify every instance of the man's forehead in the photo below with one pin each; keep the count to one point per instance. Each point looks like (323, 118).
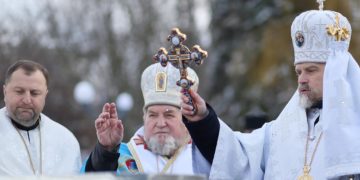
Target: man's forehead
(162, 108)
(21, 76)
(22, 72)
(308, 64)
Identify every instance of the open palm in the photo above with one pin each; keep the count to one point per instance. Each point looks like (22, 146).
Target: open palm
(109, 129)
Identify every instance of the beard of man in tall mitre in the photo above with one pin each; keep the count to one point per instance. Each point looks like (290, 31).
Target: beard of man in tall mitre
(164, 130)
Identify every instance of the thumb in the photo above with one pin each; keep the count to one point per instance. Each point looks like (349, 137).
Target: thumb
(200, 104)
(196, 97)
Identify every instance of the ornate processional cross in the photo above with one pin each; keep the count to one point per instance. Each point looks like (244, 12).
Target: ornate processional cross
(181, 57)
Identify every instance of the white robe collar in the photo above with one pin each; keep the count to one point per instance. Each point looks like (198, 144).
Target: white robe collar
(149, 162)
(60, 149)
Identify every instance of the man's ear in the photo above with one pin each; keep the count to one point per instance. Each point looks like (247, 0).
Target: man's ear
(4, 91)
(144, 116)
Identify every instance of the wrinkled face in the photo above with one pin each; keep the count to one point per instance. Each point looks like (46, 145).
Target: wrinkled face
(310, 82)
(164, 129)
(24, 96)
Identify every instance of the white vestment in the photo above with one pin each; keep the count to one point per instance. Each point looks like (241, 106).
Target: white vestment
(276, 151)
(149, 162)
(59, 147)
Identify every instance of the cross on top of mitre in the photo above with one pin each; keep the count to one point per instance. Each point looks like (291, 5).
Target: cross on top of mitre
(321, 4)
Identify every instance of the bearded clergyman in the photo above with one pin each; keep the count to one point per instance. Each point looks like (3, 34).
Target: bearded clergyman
(162, 146)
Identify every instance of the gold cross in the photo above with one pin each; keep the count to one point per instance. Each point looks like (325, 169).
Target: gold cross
(181, 57)
(178, 54)
(340, 34)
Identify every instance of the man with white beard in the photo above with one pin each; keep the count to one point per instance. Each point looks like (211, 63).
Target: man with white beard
(310, 78)
(316, 136)
(162, 145)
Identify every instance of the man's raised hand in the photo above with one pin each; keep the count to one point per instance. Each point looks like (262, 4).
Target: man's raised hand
(109, 128)
(187, 110)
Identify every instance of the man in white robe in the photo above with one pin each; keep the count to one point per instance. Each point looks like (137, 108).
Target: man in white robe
(31, 143)
(317, 133)
(162, 145)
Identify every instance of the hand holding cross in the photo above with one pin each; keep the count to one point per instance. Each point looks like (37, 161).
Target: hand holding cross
(181, 57)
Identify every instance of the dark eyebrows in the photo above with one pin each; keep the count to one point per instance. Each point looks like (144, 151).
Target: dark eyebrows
(21, 88)
(36, 91)
(311, 67)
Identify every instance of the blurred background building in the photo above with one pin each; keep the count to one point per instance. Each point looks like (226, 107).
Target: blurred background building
(96, 50)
